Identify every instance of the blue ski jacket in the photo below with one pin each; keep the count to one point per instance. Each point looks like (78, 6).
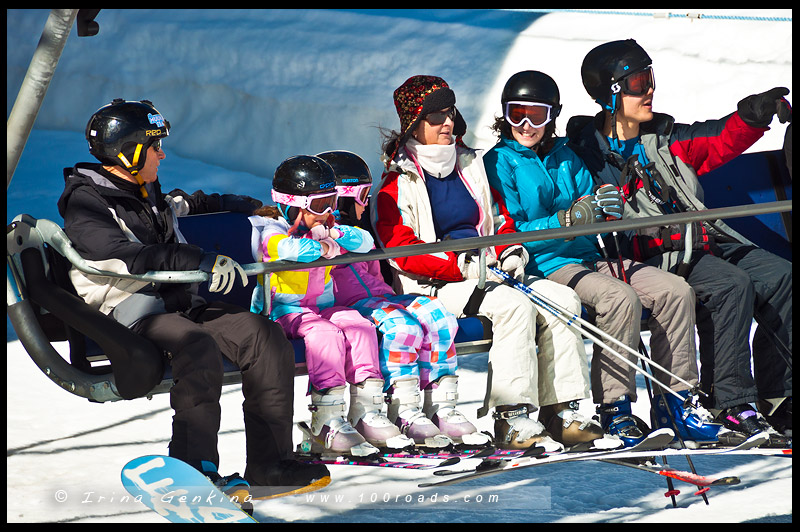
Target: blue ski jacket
(534, 190)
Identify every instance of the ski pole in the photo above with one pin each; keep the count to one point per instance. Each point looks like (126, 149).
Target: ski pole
(569, 317)
(575, 322)
(702, 491)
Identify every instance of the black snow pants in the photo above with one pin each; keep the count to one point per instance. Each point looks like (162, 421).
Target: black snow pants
(195, 343)
(734, 285)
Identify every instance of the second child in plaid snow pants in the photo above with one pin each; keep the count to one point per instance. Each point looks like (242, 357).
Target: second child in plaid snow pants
(418, 337)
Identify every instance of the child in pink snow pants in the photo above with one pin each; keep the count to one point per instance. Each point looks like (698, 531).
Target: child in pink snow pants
(341, 346)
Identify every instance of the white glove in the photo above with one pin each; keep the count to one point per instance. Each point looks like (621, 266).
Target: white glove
(222, 275)
(333, 250)
(319, 232)
(513, 261)
(470, 266)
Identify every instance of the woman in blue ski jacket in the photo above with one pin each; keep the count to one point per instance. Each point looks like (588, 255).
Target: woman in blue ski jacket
(545, 185)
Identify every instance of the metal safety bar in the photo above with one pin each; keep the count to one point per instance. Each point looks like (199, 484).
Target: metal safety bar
(56, 237)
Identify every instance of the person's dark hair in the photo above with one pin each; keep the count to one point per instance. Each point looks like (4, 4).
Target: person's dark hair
(270, 211)
(390, 139)
(502, 128)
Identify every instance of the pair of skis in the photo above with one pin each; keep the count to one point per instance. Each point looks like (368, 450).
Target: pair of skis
(653, 445)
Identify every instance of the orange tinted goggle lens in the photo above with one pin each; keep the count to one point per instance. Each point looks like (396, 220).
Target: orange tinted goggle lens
(537, 114)
(639, 83)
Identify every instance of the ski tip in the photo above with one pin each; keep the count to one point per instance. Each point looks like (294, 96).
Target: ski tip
(488, 451)
(450, 461)
(726, 481)
(533, 450)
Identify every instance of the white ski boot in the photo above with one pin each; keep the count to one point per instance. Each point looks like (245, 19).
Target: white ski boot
(366, 403)
(513, 429)
(330, 432)
(405, 413)
(439, 405)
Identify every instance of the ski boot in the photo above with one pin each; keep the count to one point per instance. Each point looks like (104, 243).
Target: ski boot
(778, 413)
(330, 432)
(439, 405)
(285, 477)
(513, 429)
(366, 402)
(743, 418)
(617, 419)
(694, 423)
(405, 413)
(568, 426)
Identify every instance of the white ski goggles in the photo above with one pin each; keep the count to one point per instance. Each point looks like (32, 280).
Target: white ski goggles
(317, 204)
(535, 113)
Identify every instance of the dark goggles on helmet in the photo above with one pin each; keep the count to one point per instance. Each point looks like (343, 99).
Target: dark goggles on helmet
(318, 204)
(359, 192)
(536, 114)
(439, 117)
(636, 84)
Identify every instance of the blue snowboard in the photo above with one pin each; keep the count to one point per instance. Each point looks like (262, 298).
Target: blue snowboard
(180, 493)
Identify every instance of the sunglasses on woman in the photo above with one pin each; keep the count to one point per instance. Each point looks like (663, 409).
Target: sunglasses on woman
(318, 204)
(359, 192)
(438, 118)
(638, 83)
(536, 114)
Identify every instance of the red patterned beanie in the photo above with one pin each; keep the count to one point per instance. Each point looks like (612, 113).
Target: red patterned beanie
(418, 96)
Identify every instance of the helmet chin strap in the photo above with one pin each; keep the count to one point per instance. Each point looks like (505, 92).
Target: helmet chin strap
(615, 103)
(133, 169)
(284, 210)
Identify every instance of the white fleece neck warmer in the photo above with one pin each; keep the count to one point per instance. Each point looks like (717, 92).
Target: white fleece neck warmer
(437, 159)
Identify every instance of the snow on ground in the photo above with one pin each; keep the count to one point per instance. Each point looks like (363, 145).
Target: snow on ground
(64, 456)
(246, 89)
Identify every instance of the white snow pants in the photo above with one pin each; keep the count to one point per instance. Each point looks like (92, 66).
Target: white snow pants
(559, 372)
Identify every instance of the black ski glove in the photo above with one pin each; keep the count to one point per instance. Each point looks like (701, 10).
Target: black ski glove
(757, 110)
(583, 210)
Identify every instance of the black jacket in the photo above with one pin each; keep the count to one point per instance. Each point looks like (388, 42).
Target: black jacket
(115, 229)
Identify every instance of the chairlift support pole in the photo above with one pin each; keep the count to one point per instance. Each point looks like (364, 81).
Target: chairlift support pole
(35, 85)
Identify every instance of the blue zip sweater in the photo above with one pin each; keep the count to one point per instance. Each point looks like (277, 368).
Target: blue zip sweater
(535, 190)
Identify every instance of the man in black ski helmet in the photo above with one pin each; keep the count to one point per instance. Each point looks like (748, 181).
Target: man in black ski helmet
(657, 163)
(118, 219)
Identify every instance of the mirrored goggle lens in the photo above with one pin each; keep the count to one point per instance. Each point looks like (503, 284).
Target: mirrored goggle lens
(322, 204)
(537, 114)
(638, 83)
(438, 118)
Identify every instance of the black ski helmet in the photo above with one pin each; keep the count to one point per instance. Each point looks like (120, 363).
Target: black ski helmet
(303, 175)
(349, 168)
(606, 65)
(120, 133)
(532, 86)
